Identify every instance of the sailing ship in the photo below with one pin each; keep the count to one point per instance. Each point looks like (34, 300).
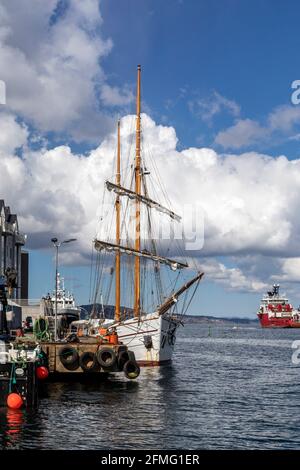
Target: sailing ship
(275, 311)
(151, 335)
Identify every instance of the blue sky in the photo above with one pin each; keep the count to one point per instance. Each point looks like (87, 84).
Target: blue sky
(245, 50)
(217, 73)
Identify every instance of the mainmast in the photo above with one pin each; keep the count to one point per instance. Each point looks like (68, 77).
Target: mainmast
(137, 246)
(118, 235)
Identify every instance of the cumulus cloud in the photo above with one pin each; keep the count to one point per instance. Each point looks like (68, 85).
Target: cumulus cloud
(207, 108)
(280, 123)
(249, 201)
(232, 278)
(12, 134)
(243, 133)
(290, 270)
(113, 96)
(50, 60)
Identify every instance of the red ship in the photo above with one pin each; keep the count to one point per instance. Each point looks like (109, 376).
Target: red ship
(276, 312)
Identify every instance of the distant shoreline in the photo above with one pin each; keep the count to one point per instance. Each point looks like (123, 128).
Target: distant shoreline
(219, 320)
(109, 311)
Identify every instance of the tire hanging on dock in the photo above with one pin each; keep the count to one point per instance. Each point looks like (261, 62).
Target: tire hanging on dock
(88, 362)
(131, 369)
(123, 357)
(69, 358)
(106, 357)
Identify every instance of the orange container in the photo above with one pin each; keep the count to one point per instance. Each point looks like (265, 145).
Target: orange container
(113, 338)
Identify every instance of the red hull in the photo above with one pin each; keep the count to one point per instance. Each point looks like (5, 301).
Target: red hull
(277, 322)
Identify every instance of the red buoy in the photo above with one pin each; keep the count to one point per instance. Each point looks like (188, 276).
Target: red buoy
(14, 401)
(42, 372)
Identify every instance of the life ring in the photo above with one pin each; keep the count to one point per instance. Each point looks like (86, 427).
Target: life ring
(69, 358)
(131, 369)
(88, 362)
(106, 357)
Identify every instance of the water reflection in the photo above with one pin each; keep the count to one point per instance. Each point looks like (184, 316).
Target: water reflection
(212, 397)
(11, 424)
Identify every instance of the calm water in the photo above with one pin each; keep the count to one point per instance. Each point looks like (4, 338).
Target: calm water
(233, 389)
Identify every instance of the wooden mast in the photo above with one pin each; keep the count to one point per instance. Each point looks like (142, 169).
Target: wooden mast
(118, 235)
(137, 246)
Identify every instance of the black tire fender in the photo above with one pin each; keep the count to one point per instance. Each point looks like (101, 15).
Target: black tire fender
(131, 369)
(88, 362)
(106, 357)
(123, 357)
(69, 358)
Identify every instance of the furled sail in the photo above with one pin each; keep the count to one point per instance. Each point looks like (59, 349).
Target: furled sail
(121, 191)
(103, 245)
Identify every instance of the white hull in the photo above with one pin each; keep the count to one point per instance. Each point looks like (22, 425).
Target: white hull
(157, 332)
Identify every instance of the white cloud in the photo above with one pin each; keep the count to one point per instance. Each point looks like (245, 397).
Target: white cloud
(290, 270)
(243, 133)
(283, 118)
(51, 64)
(12, 134)
(208, 108)
(113, 96)
(280, 123)
(232, 278)
(250, 201)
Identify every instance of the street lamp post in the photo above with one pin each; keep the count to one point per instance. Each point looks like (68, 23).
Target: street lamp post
(57, 244)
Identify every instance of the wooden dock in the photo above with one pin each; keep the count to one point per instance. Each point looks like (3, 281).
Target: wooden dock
(89, 347)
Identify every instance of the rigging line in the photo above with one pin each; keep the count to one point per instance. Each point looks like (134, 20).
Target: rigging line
(156, 269)
(99, 277)
(192, 296)
(96, 277)
(91, 273)
(167, 199)
(184, 301)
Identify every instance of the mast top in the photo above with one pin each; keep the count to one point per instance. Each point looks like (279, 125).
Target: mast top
(139, 67)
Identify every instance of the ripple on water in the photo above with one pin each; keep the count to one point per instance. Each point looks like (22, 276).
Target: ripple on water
(226, 389)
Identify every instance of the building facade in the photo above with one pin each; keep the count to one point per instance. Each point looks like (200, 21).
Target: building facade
(11, 243)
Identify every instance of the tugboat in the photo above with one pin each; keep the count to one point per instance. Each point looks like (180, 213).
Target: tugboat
(67, 310)
(66, 304)
(276, 312)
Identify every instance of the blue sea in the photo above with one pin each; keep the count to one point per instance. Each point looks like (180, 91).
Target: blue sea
(228, 388)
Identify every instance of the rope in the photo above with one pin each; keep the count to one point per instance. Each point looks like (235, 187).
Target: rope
(41, 329)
